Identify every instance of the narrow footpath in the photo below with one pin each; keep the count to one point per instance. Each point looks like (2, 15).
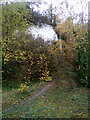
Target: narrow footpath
(37, 94)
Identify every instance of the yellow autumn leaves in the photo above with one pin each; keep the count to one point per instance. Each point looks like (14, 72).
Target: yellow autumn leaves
(23, 87)
(43, 68)
(45, 76)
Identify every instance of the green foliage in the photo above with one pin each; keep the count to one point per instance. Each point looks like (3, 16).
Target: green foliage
(82, 63)
(15, 19)
(20, 51)
(28, 59)
(15, 16)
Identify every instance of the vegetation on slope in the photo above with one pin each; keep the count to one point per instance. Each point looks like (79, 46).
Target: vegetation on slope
(28, 62)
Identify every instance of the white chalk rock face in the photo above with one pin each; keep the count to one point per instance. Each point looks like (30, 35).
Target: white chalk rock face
(45, 32)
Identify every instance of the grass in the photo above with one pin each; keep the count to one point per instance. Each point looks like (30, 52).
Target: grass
(11, 96)
(63, 100)
(59, 102)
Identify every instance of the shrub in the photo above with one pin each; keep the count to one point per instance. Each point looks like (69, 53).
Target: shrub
(82, 64)
(23, 87)
(46, 78)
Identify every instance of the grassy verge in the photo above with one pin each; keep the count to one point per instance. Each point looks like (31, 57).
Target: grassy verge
(59, 102)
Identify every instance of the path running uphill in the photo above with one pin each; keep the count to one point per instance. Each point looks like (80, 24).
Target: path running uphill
(37, 94)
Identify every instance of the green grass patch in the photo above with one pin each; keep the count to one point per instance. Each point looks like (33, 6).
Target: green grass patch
(11, 96)
(59, 102)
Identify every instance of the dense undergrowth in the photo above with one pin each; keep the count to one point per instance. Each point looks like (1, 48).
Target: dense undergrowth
(27, 59)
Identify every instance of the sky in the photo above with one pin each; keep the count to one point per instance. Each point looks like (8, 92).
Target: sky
(61, 10)
(45, 32)
(42, 32)
(76, 3)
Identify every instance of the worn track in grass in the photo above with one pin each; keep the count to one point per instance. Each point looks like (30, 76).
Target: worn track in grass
(37, 94)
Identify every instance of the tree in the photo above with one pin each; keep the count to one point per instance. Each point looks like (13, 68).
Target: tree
(14, 19)
(75, 47)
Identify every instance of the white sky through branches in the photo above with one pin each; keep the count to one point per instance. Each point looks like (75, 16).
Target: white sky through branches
(75, 5)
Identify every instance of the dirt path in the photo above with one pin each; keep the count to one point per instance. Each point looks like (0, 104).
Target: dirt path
(41, 91)
(37, 94)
